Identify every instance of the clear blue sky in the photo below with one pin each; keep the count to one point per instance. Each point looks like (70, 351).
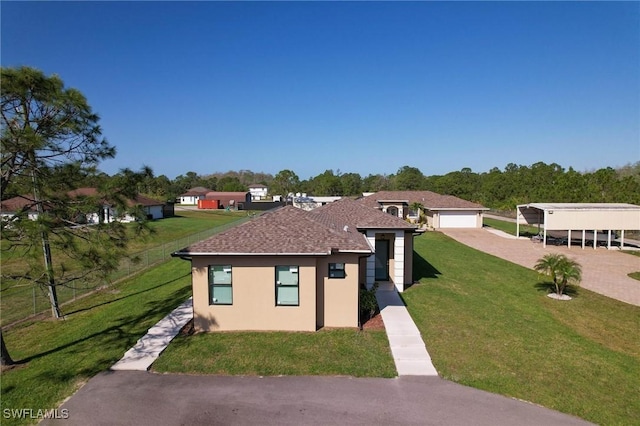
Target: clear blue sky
(364, 87)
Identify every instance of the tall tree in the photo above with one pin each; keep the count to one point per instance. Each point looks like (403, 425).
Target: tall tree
(408, 179)
(51, 140)
(285, 182)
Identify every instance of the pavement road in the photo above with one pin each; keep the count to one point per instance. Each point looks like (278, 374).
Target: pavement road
(144, 398)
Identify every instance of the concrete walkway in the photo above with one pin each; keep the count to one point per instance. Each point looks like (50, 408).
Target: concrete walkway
(407, 347)
(146, 351)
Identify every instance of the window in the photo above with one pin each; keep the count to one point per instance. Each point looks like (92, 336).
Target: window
(336, 270)
(287, 293)
(220, 290)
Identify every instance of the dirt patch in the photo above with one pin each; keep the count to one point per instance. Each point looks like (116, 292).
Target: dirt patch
(374, 323)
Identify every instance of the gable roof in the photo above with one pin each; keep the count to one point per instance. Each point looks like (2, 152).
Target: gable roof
(198, 190)
(352, 213)
(430, 200)
(284, 231)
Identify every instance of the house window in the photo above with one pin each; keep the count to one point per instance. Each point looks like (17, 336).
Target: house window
(336, 270)
(220, 289)
(287, 289)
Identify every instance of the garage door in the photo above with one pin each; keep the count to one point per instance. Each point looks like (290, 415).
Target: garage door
(457, 219)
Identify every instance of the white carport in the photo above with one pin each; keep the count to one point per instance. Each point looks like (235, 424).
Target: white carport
(587, 218)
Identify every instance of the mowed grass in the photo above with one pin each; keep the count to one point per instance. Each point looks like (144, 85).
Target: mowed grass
(488, 324)
(56, 357)
(21, 299)
(510, 227)
(346, 352)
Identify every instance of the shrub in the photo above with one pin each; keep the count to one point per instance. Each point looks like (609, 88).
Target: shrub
(368, 303)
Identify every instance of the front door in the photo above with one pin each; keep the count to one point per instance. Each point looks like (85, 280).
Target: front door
(382, 260)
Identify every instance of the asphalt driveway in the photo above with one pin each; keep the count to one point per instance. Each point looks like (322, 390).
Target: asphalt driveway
(603, 271)
(142, 398)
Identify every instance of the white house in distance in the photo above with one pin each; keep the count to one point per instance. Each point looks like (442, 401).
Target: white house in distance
(152, 209)
(192, 196)
(258, 191)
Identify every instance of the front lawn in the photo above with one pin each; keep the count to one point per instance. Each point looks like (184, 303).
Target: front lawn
(345, 352)
(487, 323)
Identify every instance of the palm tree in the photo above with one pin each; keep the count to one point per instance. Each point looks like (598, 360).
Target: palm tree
(561, 269)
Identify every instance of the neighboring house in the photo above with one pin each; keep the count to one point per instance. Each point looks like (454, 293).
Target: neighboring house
(10, 207)
(310, 202)
(230, 200)
(153, 209)
(290, 269)
(440, 211)
(192, 196)
(258, 192)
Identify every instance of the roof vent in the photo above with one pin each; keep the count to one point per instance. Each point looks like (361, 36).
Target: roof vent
(346, 228)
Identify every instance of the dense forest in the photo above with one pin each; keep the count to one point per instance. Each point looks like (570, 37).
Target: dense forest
(496, 189)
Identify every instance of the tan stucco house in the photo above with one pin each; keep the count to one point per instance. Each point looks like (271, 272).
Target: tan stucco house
(440, 211)
(291, 269)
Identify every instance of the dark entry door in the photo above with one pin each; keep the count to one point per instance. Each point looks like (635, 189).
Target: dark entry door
(382, 260)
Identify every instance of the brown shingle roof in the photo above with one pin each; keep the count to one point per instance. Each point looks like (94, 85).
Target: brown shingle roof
(198, 190)
(287, 230)
(351, 213)
(430, 200)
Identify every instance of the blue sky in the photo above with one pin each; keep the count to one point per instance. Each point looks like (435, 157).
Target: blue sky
(363, 87)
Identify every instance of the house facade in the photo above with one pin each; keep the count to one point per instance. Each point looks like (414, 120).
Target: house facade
(439, 211)
(290, 269)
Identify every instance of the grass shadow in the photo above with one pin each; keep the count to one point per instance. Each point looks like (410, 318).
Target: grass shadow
(549, 287)
(423, 269)
(88, 308)
(124, 334)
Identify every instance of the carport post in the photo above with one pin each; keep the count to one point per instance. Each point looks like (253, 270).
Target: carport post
(609, 240)
(544, 230)
(569, 238)
(584, 238)
(595, 238)
(622, 239)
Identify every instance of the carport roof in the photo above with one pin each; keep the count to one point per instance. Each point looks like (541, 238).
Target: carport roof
(581, 206)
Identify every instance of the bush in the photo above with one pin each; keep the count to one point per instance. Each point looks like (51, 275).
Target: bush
(368, 303)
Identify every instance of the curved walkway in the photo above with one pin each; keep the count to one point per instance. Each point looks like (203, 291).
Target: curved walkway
(603, 271)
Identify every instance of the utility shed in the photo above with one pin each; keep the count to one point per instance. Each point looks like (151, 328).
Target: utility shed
(587, 219)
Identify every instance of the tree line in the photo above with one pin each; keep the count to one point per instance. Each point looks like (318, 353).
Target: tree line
(497, 189)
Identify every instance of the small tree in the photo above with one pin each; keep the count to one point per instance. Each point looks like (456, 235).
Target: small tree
(561, 269)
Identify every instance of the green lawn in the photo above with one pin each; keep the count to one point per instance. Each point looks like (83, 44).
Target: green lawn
(346, 352)
(510, 227)
(22, 299)
(56, 357)
(488, 324)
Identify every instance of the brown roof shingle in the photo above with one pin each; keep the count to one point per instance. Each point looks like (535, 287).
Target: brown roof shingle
(430, 200)
(287, 230)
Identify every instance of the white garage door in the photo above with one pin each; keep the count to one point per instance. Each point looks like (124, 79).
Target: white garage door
(457, 219)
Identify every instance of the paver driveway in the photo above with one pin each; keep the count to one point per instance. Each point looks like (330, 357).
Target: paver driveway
(603, 271)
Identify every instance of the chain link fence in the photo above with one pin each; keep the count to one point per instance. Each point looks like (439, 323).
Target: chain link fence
(22, 301)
